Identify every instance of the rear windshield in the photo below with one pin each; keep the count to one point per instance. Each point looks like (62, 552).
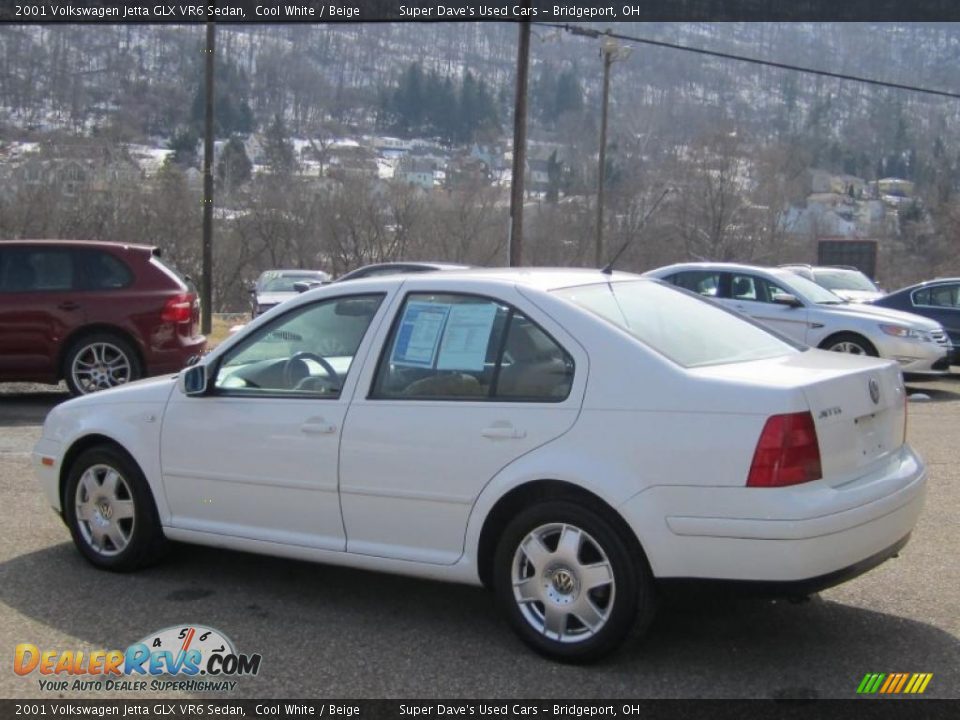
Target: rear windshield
(171, 270)
(686, 329)
(283, 282)
(844, 280)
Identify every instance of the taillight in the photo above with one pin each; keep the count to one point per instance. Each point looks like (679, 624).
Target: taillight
(906, 405)
(179, 308)
(787, 453)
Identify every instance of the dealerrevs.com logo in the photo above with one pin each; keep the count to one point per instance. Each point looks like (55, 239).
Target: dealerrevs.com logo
(181, 657)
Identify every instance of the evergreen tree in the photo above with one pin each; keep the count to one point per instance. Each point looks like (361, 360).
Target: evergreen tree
(569, 95)
(184, 146)
(234, 168)
(231, 108)
(277, 149)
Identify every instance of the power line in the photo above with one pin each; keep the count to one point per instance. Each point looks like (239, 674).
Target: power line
(590, 32)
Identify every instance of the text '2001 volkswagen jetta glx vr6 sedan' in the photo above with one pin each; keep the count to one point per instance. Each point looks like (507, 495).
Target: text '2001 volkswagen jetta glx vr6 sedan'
(565, 437)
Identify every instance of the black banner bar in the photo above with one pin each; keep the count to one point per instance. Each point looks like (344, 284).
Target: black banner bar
(192, 709)
(291, 11)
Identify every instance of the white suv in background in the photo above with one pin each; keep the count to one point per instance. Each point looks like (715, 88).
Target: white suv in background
(811, 314)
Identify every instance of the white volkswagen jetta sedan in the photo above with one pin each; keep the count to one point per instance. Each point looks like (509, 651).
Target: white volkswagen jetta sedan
(810, 314)
(570, 439)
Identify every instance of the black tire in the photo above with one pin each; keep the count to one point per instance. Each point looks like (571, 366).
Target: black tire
(96, 515)
(119, 363)
(619, 607)
(852, 340)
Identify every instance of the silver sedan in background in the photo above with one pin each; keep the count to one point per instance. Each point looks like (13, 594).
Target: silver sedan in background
(811, 314)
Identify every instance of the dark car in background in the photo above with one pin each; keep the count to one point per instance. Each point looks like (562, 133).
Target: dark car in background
(275, 286)
(96, 314)
(936, 299)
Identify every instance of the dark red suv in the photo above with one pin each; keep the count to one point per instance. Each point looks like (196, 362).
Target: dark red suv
(95, 314)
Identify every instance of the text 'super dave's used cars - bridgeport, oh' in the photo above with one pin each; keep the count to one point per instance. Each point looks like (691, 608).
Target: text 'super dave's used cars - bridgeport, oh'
(569, 438)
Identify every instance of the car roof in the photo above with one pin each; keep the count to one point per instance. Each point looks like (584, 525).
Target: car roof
(534, 277)
(105, 244)
(294, 272)
(927, 283)
(726, 267)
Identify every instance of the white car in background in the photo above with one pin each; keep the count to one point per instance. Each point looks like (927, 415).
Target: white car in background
(569, 438)
(812, 315)
(276, 286)
(845, 282)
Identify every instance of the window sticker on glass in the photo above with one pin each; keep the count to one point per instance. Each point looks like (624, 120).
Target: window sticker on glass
(419, 334)
(465, 340)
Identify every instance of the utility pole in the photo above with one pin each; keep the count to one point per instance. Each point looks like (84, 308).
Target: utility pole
(206, 300)
(611, 52)
(519, 145)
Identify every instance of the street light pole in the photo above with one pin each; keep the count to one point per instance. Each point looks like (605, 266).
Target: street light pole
(611, 52)
(206, 301)
(515, 245)
(607, 62)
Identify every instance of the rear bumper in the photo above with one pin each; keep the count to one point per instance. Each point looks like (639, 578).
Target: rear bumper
(163, 361)
(779, 535)
(789, 588)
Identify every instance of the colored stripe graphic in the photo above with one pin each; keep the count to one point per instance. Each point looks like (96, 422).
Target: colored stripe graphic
(894, 683)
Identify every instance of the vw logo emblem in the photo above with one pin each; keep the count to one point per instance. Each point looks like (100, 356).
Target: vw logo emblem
(563, 582)
(874, 391)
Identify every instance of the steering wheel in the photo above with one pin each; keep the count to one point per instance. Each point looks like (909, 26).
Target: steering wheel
(292, 378)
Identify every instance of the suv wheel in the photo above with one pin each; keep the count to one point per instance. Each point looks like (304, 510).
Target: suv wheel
(568, 583)
(100, 361)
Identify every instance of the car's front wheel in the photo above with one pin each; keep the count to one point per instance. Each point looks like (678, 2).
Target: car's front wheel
(568, 582)
(849, 343)
(100, 361)
(110, 512)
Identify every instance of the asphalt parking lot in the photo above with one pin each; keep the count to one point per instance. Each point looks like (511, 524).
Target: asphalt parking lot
(327, 632)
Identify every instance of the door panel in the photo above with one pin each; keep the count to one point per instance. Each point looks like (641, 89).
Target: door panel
(257, 458)
(463, 388)
(753, 296)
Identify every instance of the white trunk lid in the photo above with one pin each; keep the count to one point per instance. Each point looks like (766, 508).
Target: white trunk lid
(859, 418)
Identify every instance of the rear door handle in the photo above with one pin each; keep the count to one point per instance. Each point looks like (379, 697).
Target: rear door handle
(317, 426)
(69, 305)
(503, 432)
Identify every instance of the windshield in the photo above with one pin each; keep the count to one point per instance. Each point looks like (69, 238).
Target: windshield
(844, 280)
(809, 289)
(689, 331)
(277, 282)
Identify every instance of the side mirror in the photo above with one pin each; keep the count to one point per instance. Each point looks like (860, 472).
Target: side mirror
(301, 286)
(194, 380)
(787, 299)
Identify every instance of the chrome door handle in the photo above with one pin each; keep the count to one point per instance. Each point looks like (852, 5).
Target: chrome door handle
(500, 432)
(317, 427)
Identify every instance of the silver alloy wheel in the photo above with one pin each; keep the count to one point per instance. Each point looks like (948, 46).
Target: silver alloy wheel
(848, 347)
(98, 366)
(105, 510)
(563, 582)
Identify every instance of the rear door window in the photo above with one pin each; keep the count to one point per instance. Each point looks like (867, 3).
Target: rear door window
(36, 269)
(102, 271)
(466, 347)
(701, 282)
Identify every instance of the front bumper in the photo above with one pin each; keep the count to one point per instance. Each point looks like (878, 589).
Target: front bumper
(45, 452)
(925, 358)
(793, 534)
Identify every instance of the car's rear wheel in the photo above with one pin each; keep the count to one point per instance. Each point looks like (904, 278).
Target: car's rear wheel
(568, 583)
(100, 361)
(110, 512)
(849, 343)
